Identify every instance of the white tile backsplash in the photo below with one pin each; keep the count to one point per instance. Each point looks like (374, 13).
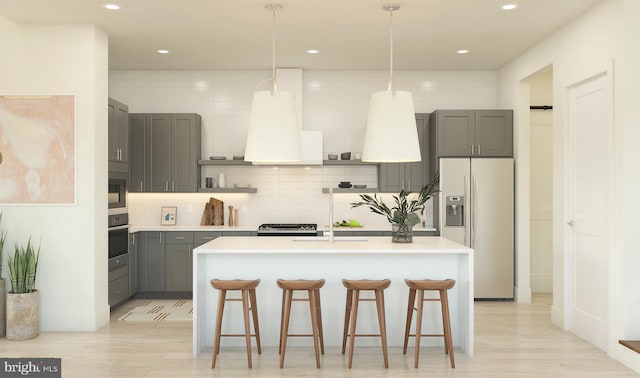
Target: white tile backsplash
(334, 102)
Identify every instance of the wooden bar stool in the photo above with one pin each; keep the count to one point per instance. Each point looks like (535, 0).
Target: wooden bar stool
(351, 313)
(420, 286)
(248, 288)
(313, 289)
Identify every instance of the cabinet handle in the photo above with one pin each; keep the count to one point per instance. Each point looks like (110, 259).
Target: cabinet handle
(173, 186)
(160, 233)
(180, 237)
(166, 186)
(478, 150)
(472, 150)
(140, 185)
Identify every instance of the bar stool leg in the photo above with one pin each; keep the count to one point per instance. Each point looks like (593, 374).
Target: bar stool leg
(314, 324)
(407, 331)
(419, 325)
(319, 317)
(247, 326)
(222, 294)
(446, 322)
(284, 332)
(347, 316)
(284, 298)
(254, 313)
(383, 327)
(352, 326)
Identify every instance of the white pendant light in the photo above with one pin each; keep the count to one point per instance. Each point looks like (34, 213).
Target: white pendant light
(274, 135)
(391, 135)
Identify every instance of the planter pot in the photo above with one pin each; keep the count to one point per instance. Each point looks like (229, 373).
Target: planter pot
(401, 233)
(3, 307)
(23, 315)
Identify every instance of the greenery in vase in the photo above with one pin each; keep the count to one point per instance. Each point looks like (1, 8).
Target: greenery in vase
(23, 267)
(404, 211)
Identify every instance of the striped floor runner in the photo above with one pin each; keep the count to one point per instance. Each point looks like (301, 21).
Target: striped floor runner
(160, 310)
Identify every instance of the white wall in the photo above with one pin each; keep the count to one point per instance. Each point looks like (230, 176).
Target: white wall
(334, 102)
(72, 273)
(541, 169)
(604, 37)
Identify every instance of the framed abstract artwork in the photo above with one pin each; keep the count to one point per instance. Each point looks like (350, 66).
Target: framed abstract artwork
(37, 149)
(168, 216)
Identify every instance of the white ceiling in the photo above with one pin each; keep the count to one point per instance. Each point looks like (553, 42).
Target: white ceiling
(350, 34)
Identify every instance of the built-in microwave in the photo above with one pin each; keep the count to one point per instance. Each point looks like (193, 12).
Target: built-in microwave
(117, 190)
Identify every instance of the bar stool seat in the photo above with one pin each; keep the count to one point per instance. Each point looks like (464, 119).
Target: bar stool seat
(313, 290)
(248, 289)
(419, 286)
(351, 313)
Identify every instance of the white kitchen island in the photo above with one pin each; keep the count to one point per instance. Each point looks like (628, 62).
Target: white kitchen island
(270, 258)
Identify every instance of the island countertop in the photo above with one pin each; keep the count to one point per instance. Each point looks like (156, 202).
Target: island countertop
(270, 258)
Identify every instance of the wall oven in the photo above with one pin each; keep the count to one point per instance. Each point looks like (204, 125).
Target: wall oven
(117, 190)
(118, 235)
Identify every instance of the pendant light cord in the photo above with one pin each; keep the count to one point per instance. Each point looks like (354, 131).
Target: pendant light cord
(273, 7)
(390, 88)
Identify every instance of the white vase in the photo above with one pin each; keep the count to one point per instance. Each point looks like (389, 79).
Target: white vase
(3, 307)
(23, 315)
(221, 180)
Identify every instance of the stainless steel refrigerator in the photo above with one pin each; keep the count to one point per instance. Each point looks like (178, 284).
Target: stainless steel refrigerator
(476, 208)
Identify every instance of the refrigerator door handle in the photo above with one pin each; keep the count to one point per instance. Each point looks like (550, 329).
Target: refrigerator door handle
(474, 194)
(466, 200)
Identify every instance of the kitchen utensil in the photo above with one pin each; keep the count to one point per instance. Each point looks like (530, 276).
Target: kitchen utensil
(345, 156)
(333, 157)
(235, 217)
(230, 215)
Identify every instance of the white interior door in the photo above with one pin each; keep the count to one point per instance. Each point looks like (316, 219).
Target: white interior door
(590, 175)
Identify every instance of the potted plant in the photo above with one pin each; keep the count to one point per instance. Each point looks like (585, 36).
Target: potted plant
(3, 284)
(403, 215)
(23, 308)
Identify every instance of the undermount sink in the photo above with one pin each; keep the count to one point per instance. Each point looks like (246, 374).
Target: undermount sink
(326, 238)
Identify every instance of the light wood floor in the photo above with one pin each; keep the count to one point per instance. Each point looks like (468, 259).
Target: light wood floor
(512, 340)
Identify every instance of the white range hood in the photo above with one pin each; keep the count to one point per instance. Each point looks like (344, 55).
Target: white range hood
(290, 79)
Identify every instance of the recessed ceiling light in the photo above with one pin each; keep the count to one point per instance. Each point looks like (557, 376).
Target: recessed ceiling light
(509, 6)
(463, 51)
(163, 51)
(111, 6)
(313, 51)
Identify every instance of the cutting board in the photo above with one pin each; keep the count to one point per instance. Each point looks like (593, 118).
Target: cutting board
(213, 214)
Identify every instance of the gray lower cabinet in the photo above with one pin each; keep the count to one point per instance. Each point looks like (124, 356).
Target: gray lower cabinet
(151, 263)
(133, 264)
(395, 177)
(472, 133)
(118, 279)
(178, 261)
(165, 258)
(164, 152)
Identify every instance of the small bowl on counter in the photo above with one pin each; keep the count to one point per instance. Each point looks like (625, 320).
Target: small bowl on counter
(345, 156)
(345, 184)
(332, 157)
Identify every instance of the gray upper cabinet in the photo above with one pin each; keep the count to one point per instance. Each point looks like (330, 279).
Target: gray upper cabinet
(409, 176)
(472, 133)
(118, 135)
(137, 152)
(164, 153)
